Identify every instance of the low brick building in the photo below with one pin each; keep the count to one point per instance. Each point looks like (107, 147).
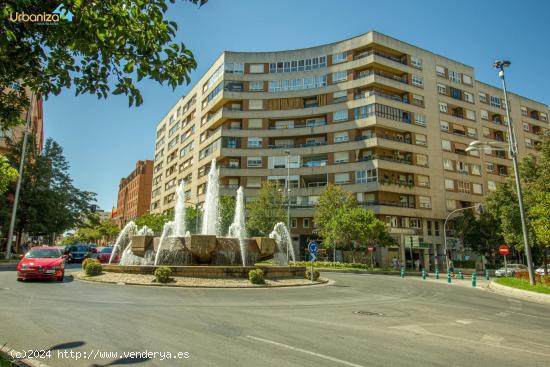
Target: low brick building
(134, 193)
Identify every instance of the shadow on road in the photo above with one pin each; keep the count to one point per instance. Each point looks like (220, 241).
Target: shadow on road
(68, 345)
(123, 361)
(67, 279)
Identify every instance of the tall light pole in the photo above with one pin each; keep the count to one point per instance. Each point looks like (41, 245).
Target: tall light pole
(288, 200)
(513, 149)
(19, 178)
(478, 207)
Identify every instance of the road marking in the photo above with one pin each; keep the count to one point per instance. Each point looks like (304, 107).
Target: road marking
(304, 351)
(465, 322)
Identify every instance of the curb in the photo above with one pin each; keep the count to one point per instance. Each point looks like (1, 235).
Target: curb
(23, 362)
(519, 293)
(342, 271)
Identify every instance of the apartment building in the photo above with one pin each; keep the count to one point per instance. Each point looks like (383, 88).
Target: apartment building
(134, 193)
(388, 121)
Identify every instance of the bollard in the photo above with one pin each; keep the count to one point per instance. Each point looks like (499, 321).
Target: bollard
(402, 272)
(449, 277)
(424, 274)
(436, 273)
(474, 279)
(460, 275)
(486, 274)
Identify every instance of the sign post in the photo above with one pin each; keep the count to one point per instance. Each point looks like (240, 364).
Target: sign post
(371, 249)
(312, 247)
(504, 250)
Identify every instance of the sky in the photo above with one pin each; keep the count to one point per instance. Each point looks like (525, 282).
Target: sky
(103, 139)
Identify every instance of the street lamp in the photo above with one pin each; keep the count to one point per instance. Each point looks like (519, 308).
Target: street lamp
(479, 209)
(513, 150)
(287, 194)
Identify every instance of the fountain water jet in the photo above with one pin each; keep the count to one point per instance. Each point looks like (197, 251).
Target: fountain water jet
(123, 238)
(238, 228)
(166, 232)
(210, 216)
(179, 211)
(284, 243)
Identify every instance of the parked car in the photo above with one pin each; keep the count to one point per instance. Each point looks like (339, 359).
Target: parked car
(77, 252)
(512, 269)
(93, 249)
(42, 262)
(540, 270)
(105, 254)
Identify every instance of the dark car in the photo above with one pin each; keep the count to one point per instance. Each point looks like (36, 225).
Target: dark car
(105, 254)
(93, 249)
(77, 252)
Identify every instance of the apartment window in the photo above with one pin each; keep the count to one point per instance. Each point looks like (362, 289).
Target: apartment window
(341, 157)
(456, 93)
(423, 181)
(429, 227)
(293, 223)
(440, 70)
(446, 145)
(418, 100)
(523, 111)
(486, 131)
(491, 185)
(495, 101)
(528, 143)
(464, 187)
(339, 76)
(468, 97)
(305, 222)
(476, 169)
(254, 162)
(484, 114)
(543, 117)
(441, 89)
(234, 68)
(254, 123)
(425, 201)
(451, 204)
(419, 119)
(477, 188)
(443, 107)
(341, 136)
(436, 228)
(370, 175)
(256, 68)
(420, 139)
(256, 86)
(490, 167)
(470, 115)
(341, 178)
(471, 132)
(482, 97)
(525, 126)
(339, 57)
(416, 62)
(454, 76)
(466, 79)
(339, 96)
(422, 160)
(255, 104)
(254, 182)
(444, 125)
(417, 80)
(449, 184)
(340, 115)
(254, 142)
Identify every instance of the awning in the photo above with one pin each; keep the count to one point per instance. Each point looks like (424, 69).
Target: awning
(460, 146)
(458, 128)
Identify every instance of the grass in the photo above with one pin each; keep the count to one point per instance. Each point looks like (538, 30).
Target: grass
(339, 266)
(523, 284)
(5, 363)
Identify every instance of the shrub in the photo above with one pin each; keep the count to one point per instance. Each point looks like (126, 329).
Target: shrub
(524, 275)
(315, 274)
(163, 274)
(256, 276)
(93, 269)
(87, 262)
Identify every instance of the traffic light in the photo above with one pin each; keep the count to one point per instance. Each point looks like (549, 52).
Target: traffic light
(93, 208)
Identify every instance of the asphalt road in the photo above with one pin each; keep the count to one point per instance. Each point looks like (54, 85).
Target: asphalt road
(360, 320)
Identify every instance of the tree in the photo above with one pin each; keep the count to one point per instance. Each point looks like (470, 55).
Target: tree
(8, 174)
(155, 221)
(227, 213)
(192, 217)
(96, 45)
(480, 234)
(266, 210)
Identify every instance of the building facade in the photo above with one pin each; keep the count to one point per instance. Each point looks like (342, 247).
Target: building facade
(134, 193)
(388, 121)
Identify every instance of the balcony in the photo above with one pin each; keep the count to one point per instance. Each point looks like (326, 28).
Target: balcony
(298, 126)
(366, 73)
(305, 145)
(367, 53)
(370, 93)
(385, 158)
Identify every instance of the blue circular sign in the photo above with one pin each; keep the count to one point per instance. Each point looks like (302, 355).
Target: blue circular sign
(312, 247)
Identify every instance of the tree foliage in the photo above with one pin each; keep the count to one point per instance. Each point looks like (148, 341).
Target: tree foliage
(266, 210)
(8, 174)
(107, 47)
(227, 213)
(155, 221)
(480, 234)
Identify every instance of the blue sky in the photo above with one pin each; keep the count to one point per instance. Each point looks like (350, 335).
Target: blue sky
(104, 138)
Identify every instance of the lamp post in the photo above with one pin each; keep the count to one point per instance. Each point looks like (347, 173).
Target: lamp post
(287, 194)
(478, 207)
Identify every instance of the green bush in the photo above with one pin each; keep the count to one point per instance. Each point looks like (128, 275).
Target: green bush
(93, 269)
(87, 262)
(316, 274)
(163, 274)
(256, 276)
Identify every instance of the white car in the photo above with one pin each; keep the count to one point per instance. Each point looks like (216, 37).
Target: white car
(540, 270)
(511, 270)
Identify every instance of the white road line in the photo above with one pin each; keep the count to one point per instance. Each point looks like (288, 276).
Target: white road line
(304, 351)
(465, 322)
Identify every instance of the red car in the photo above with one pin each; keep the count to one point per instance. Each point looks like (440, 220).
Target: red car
(105, 254)
(42, 262)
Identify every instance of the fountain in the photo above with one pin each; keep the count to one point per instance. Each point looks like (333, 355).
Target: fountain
(284, 244)
(123, 238)
(179, 211)
(210, 217)
(238, 228)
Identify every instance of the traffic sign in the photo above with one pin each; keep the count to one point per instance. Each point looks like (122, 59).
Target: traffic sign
(370, 248)
(312, 247)
(503, 250)
(312, 256)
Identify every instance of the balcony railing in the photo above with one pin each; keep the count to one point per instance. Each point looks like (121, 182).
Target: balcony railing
(313, 144)
(366, 73)
(370, 93)
(297, 126)
(385, 158)
(372, 52)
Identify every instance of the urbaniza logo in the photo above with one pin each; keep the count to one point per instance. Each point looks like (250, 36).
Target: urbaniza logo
(60, 13)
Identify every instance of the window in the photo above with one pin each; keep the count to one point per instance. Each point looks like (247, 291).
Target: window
(254, 123)
(491, 185)
(477, 188)
(417, 80)
(482, 97)
(234, 68)
(425, 201)
(341, 157)
(254, 162)
(419, 119)
(436, 228)
(448, 164)
(440, 70)
(420, 139)
(484, 114)
(422, 160)
(446, 145)
(495, 101)
(339, 57)
(305, 222)
(340, 115)
(523, 111)
(454, 76)
(254, 142)
(254, 182)
(339, 76)
(468, 97)
(476, 169)
(341, 136)
(464, 187)
(341, 178)
(418, 100)
(466, 79)
(471, 132)
(444, 125)
(443, 107)
(255, 104)
(449, 184)
(256, 85)
(416, 62)
(339, 96)
(456, 93)
(423, 181)
(451, 204)
(441, 89)
(490, 167)
(543, 116)
(429, 227)
(293, 222)
(256, 68)
(528, 143)
(365, 176)
(470, 115)
(525, 126)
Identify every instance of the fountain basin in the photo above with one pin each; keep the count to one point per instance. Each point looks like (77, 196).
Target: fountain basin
(212, 271)
(142, 244)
